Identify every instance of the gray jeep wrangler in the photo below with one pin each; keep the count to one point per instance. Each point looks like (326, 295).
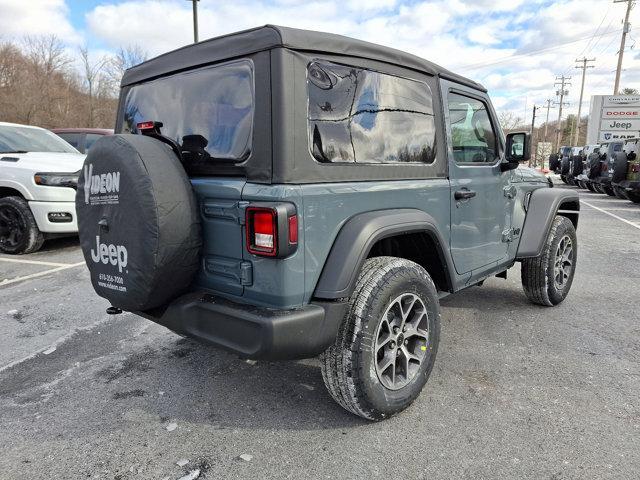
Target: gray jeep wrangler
(285, 194)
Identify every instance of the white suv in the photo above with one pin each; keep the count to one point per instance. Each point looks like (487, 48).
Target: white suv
(38, 179)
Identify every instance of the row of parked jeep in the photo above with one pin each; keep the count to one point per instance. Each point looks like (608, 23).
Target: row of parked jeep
(611, 167)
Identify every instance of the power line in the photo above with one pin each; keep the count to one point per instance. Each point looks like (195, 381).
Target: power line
(533, 52)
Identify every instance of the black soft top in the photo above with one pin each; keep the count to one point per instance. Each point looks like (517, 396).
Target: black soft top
(271, 36)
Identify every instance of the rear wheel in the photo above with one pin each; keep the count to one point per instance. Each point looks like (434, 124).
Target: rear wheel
(590, 187)
(547, 279)
(634, 197)
(19, 231)
(619, 193)
(609, 191)
(386, 346)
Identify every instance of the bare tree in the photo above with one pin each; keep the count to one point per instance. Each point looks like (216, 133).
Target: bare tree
(46, 52)
(509, 121)
(92, 72)
(123, 59)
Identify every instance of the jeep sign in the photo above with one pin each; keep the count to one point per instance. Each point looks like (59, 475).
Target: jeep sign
(613, 117)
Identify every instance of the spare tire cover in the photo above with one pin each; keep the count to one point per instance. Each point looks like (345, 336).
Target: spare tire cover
(576, 165)
(594, 166)
(619, 167)
(138, 222)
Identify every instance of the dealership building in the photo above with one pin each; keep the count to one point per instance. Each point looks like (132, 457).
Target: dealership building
(613, 117)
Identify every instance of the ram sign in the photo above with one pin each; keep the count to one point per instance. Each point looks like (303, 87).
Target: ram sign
(613, 117)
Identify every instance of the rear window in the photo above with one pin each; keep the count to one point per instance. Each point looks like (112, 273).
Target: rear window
(90, 139)
(208, 112)
(72, 139)
(362, 116)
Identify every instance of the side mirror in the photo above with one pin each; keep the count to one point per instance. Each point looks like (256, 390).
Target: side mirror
(518, 150)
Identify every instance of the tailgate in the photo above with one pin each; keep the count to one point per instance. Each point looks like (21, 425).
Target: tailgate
(222, 214)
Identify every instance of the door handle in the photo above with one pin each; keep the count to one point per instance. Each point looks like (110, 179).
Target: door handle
(464, 194)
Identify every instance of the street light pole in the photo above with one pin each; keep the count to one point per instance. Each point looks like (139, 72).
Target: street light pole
(195, 20)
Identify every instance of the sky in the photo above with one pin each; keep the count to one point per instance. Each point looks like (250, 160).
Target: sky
(516, 48)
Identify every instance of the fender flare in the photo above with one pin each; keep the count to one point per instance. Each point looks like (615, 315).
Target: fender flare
(544, 205)
(358, 235)
(20, 188)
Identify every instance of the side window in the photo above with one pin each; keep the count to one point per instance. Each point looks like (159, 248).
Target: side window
(89, 140)
(71, 138)
(362, 116)
(472, 135)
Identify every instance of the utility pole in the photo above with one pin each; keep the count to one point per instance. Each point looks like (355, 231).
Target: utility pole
(584, 61)
(561, 93)
(195, 20)
(533, 126)
(625, 29)
(546, 124)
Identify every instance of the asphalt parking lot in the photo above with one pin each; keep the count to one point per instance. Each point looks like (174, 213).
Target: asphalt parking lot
(518, 391)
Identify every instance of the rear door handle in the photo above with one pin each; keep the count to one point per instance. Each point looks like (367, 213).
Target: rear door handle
(464, 194)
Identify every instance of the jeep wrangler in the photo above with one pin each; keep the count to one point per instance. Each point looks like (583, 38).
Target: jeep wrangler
(626, 172)
(285, 194)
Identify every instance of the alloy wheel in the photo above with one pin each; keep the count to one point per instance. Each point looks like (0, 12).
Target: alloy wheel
(401, 341)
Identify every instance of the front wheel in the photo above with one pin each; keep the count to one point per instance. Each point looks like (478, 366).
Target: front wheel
(386, 346)
(547, 278)
(19, 232)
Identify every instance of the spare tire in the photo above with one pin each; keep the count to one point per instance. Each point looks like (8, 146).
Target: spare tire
(576, 165)
(619, 167)
(138, 222)
(565, 167)
(594, 166)
(554, 162)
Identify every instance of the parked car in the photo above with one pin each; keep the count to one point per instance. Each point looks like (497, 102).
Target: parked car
(602, 178)
(626, 176)
(303, 194)
(564, 159)
(575, 165)
(81, 138)
(582, 180)
(38, 179)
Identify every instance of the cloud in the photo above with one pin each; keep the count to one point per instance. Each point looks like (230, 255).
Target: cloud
(36, 17)
(515, 47)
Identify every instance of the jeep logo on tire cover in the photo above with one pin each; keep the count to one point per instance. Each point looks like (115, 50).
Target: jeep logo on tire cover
(113, 254)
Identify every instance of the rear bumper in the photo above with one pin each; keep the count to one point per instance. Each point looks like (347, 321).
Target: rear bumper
(631, 186)
(250, 331)
(41, 211)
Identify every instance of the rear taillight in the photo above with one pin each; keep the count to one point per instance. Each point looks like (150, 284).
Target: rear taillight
(636, 168)
(272, 230)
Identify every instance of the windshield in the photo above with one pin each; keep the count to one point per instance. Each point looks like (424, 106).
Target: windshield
(16, 139)
(207, 112)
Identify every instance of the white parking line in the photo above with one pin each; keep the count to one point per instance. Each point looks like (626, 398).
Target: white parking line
(39, 274)
(611, 214)
(33, 262)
